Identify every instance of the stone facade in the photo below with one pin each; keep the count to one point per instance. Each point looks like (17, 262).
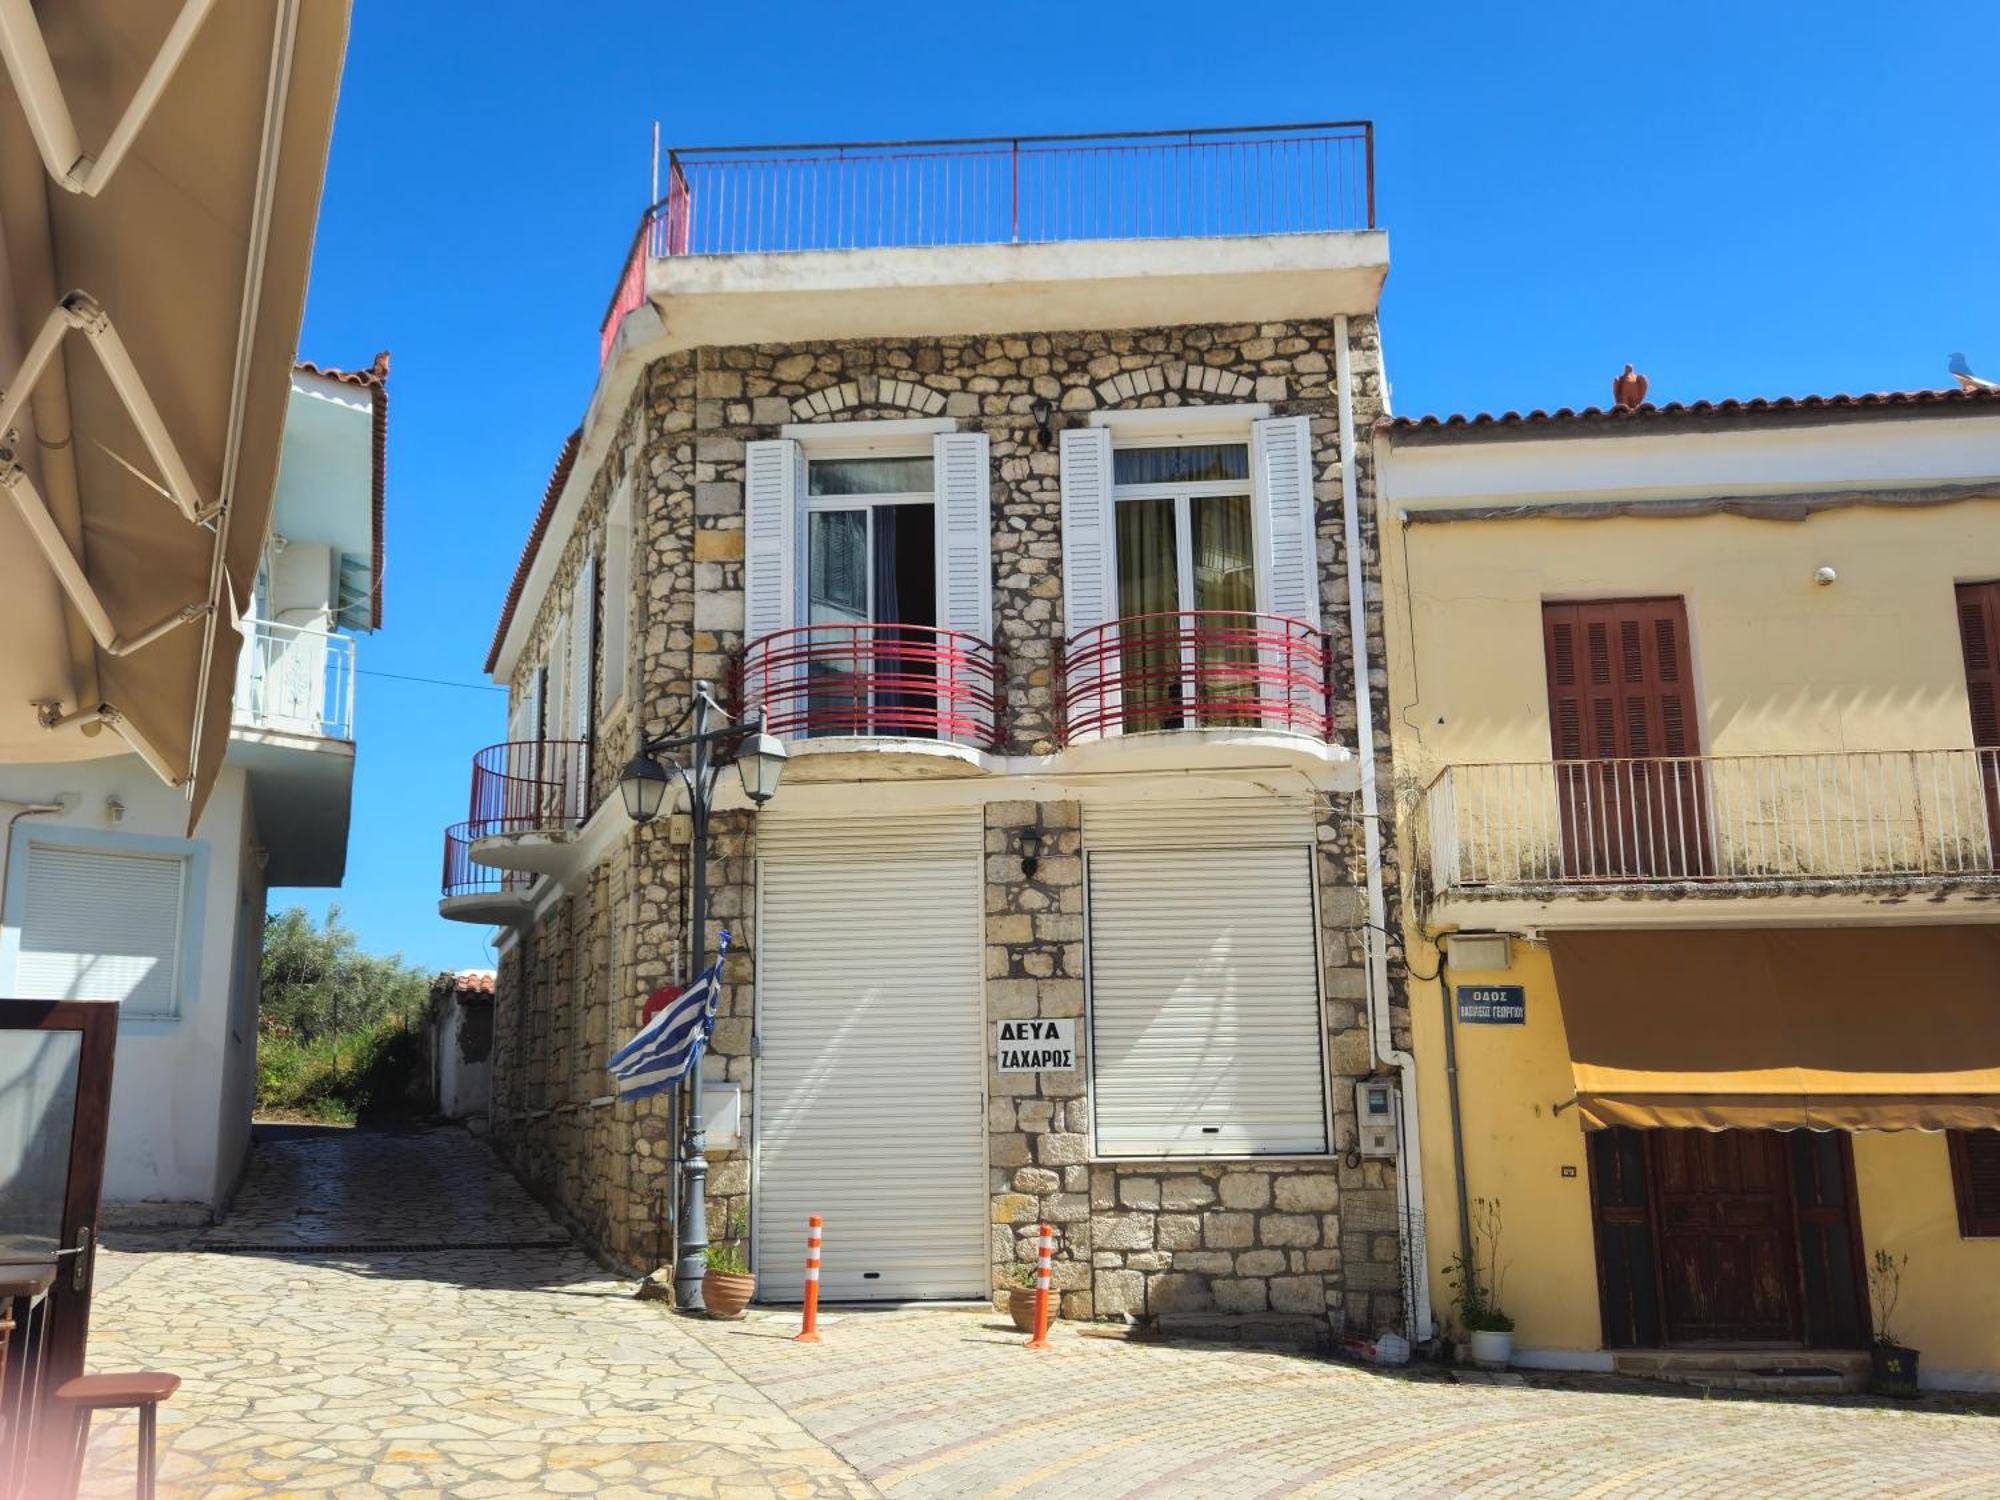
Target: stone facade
(1250, 1239)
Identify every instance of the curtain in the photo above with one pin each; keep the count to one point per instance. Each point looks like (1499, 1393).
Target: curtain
(1225, 687)
(1149, 586)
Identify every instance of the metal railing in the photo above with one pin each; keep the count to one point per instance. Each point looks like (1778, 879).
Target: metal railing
(1029, 189)
(1834, 816)
(295, 680)
(909, 681)
(531, 786)
(1195, 669)
(463, 877)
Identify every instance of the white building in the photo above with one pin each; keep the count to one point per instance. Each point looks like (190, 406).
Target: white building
(108, 895)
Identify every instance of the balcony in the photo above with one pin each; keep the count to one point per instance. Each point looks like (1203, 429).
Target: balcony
(1015, 191)
(292, 733)
(1230, 671)
(913, 690)
(293, 680)
(529, 799)
(472, 892)
(1807, 836)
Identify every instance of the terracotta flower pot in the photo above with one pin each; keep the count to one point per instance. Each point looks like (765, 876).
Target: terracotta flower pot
(1021, 1307)
(724, 1295)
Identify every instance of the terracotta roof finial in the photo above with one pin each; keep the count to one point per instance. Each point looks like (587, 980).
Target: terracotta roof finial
(1628, 390)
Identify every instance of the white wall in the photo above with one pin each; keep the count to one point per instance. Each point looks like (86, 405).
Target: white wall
(180, 1087)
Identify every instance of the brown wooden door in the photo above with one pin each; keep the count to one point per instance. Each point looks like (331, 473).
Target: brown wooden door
(1728, 1253)
(1979, 637)
(55, 1105)
(1621, 702)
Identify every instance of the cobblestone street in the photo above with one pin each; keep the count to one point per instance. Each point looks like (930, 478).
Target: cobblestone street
(481, 1372)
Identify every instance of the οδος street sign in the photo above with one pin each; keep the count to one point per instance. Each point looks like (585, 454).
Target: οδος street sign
(1492, 1004)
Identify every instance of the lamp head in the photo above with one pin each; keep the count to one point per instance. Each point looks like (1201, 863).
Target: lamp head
(643, 786)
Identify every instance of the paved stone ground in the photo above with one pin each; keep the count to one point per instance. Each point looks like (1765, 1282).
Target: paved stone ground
(482, 1372)
(470, 1373)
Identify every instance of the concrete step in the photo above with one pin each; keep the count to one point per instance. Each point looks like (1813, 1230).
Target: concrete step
(1775, 1372)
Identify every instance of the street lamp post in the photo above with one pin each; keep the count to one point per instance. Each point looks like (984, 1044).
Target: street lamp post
(706, 733)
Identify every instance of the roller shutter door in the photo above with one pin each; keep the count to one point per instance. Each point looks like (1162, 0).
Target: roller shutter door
(1206, 1033)
(870, 1091)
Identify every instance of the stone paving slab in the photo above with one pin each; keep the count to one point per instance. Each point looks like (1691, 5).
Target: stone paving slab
(485, 1374)
(466, 1373)
(928, 1403)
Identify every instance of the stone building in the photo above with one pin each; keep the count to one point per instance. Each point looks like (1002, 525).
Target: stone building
(1038, 523)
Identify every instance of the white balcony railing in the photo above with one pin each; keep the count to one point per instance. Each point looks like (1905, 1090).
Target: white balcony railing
(295, 680)
(1835, 817)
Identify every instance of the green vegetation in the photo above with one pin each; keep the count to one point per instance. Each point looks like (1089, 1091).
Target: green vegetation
(337, 1031)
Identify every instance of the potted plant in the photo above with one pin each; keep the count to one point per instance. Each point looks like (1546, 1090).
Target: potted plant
(727, 1285)
(1020, 1280)
(1893, 1364)
(1476, 1290)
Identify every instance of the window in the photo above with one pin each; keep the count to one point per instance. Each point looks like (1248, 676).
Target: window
(871, 561)
(1975, 1181)
(99, 925)
(1185, 551)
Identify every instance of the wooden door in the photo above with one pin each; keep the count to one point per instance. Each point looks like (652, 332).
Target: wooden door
(1627, 1275)
(1622, 724)
(1728, 1253)
(55, 1105)
(1979, 637)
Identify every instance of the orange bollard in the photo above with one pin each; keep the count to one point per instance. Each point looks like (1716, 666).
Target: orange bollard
(1042, 1262)
(809, 1334)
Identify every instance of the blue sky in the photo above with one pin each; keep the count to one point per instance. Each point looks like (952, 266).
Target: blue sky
(1742, 200)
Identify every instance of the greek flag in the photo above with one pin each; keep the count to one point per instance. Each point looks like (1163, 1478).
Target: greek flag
(669, 1046)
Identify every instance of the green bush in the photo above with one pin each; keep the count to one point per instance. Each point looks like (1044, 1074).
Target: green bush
(368, 1073)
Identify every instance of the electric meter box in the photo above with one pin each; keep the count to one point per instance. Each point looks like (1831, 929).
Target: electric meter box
(1375, 1108)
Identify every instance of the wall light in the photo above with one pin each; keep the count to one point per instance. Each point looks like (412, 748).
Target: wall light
(1042, 409)
(1031, 851)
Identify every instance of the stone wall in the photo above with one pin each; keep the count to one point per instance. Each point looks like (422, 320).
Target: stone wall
(1267, 1241)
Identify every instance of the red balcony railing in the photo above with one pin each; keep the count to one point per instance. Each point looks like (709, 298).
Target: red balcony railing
(532, 785)
(858, 195)
(913, 681)
(1195, 669)
(462, 877)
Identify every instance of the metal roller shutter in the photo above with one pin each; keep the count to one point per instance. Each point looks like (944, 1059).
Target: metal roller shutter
(870, 1091)
(1205, 1035)
(103, 926)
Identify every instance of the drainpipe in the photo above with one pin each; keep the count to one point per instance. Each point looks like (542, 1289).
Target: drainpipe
(1409, 1157)
(22, 810)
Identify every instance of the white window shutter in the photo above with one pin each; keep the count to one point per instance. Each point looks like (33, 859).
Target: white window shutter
(583, 650)
(774, 488)
(964, 568)
(1281, 464)
(100, 925)
(1090, 593)
(1090, 576)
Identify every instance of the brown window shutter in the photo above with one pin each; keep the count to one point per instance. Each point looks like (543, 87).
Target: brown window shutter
(1636, 700)
(1979, 636)
(1975, 1180)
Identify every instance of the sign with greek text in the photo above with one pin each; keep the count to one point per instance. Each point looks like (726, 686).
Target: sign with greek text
(1493, 1004)
(1037, 1046)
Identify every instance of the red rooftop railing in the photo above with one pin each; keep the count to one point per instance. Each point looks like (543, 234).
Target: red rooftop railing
(1029, 189)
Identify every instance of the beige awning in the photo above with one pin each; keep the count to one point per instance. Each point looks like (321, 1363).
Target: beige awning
(1821, 1029)
(176, 274)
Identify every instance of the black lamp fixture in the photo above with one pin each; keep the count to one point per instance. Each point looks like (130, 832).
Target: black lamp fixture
(1031, 850)
(706, 739)
(1042, 409)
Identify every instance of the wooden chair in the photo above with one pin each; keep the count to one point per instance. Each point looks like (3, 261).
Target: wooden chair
(144, 1389)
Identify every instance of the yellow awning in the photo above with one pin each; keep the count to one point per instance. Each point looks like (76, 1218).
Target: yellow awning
(1813, 1029)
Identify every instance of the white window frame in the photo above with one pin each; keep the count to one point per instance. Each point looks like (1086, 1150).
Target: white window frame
(192, 855)
(912, 438)
(615, 616)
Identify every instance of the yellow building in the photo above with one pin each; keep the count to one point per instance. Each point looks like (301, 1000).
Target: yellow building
(1690, 707)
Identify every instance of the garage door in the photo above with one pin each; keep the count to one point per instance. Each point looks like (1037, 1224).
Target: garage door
(1206, 1036)
(870, 1088)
